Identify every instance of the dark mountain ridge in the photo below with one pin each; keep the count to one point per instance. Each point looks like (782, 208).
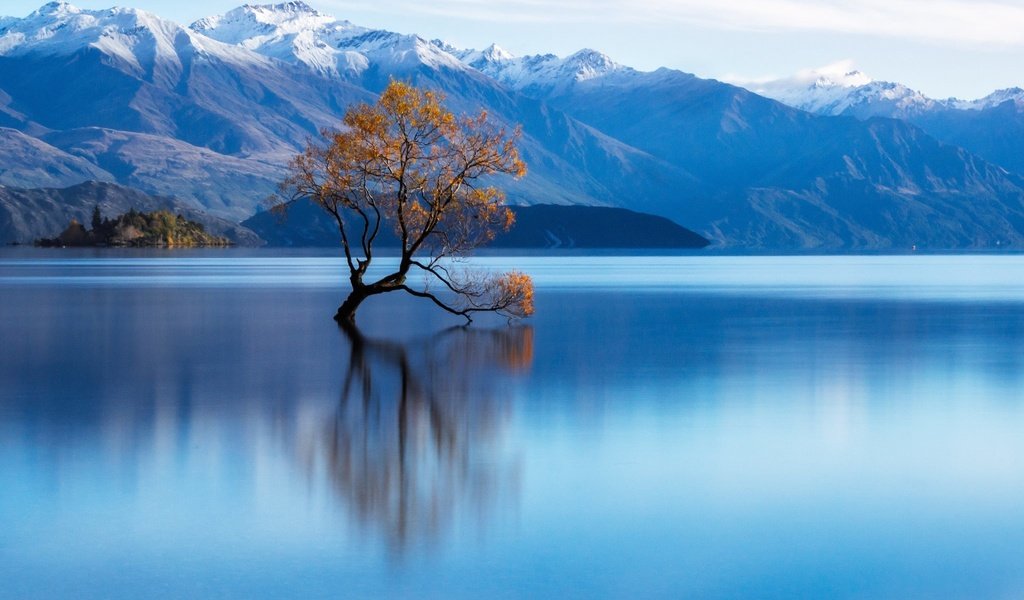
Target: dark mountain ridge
(304, 224)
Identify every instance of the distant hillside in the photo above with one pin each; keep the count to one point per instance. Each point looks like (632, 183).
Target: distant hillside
(551, 226)
(991, 127)
(543, 226)
(29, 214)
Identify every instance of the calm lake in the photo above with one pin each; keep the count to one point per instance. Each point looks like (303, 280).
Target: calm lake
(193, 424)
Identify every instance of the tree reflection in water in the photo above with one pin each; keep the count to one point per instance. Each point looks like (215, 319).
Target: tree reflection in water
(415, 444)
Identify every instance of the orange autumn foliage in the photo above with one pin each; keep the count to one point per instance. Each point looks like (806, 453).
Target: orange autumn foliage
(408, 164)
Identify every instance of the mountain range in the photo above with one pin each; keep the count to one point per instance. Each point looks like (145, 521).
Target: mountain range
(989, 127)
(210, 114)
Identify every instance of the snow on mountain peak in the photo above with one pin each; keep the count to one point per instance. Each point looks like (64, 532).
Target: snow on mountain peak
(491, 59)
(290, 31)
(590, 57)
(139, 41)
(286, 12)
(539, 70)
(997, 98)
(55, 8)
(253, 20)
(810, 89)
(588, 64)
(59, 27)
(840, 89)
(293, 7)
(840, 74)
(294, 32)
(496, 53)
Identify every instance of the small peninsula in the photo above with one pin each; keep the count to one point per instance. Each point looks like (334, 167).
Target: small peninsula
(159, 228)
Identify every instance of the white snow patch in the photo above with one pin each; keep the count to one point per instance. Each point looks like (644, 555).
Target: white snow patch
(137, 38)
(997, 98)
(296, 33)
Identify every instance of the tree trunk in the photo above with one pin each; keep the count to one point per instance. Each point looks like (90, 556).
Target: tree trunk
(346, 314)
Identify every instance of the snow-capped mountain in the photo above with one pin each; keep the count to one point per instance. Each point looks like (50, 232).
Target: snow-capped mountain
(992, 127)
(553, 143)
(297, 33)
(814, 90)
(537, 73)
(291, 32)
(478, 59)
(216, 122)
(185, 101)
(211, 113)
(251, 25)
(1014, 95)
(840, 89)
(142, 42)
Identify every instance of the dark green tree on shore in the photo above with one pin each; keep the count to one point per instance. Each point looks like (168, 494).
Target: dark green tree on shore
(158, 228)
(408, 164)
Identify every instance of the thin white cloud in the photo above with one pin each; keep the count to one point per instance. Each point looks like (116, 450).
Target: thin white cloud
(976, 22)
(843, 72)
(830, 84)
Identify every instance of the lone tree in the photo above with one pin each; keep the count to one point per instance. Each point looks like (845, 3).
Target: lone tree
(408, 165)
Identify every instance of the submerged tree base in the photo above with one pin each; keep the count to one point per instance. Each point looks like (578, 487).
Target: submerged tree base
(508, 294)
(346, 314)
(346, 317)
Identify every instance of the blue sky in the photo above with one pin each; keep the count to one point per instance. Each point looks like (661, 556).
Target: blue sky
(964, 48)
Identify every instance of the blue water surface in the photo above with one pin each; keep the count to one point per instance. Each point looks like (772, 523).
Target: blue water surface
(193, 424)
